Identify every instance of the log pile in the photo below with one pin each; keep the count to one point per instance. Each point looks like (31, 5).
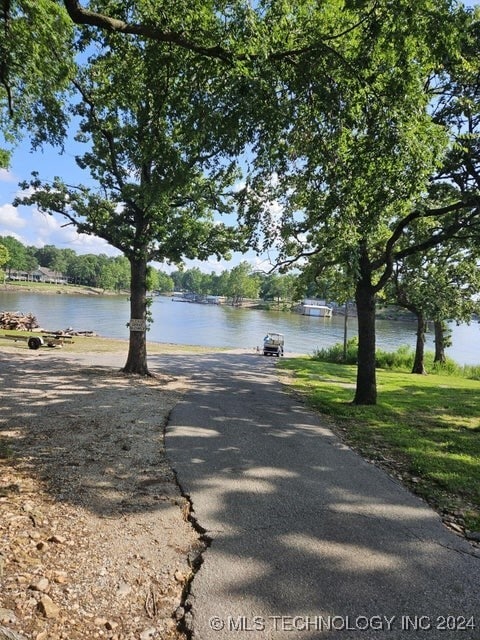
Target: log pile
(17, 321)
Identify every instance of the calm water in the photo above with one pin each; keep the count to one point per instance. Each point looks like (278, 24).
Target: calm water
(183, 323)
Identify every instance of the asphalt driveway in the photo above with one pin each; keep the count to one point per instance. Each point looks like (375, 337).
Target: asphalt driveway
(307, 540)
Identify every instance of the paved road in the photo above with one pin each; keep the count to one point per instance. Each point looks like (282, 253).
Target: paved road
(307, 539)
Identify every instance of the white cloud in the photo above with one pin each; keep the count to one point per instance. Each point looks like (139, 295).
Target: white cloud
(7, 176)
(51, 229)
(10, 218)
(82, 243)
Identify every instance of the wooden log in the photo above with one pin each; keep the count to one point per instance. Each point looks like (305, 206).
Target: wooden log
(16, 321)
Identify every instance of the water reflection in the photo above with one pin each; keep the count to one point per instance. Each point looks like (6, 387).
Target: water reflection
(210, 325)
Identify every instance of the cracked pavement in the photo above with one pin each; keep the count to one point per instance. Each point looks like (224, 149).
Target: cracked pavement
(307, 539)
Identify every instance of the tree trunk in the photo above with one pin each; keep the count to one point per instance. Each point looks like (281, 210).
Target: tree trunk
(345, 332)
(440, 342)
(137, 350)
(419, 364)
(366, 392)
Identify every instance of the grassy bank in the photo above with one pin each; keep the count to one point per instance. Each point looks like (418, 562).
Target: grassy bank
(424, 429)
(48, 288)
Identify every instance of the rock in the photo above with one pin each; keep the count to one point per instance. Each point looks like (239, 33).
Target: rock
(179, 613)
(48, 608)
(454, 527)
(473, 535)
(123, 589)
(9, 634)
(179, 576)
(7, 615)
(41, 585)
(188, 621)
(111, 625)
(57, 539)
(148, 634)
(60, 577)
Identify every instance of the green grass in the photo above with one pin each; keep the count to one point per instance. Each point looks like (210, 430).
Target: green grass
(426, 429)
(399, 360)
(48, 287)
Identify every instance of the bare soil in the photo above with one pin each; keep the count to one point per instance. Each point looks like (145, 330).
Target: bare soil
(95, 540)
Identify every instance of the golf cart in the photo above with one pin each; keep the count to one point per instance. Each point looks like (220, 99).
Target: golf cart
(273, 344)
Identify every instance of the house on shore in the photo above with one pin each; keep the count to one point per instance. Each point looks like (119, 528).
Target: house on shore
(314, 307)
(40, 274)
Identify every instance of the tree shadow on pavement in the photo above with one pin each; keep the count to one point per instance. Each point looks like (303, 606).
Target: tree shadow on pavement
(303, 526)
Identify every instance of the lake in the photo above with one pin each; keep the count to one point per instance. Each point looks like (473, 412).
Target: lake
(221, 326)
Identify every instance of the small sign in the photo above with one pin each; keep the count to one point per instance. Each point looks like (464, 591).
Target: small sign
(138, 324)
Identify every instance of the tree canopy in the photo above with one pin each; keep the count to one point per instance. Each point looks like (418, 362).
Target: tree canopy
(157, 128)
(369, 155)
(360, 118)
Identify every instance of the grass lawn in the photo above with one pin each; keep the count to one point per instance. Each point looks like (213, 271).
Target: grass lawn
(49, 287)
(424, 429)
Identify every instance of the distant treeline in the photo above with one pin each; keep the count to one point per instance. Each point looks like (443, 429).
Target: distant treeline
(113, 273)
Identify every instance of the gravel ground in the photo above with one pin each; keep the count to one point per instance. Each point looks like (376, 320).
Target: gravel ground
(95, 540)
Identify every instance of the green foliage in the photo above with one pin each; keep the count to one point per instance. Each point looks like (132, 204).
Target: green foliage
(279, 287)
(337, 354)
(4, 255)
(19, 256)
(400, 360)
(37, 65)
(443, 282)
(165, 283)
(156, 124)
(345, 183)
(152, 279)
(242, 283)
(426, 426)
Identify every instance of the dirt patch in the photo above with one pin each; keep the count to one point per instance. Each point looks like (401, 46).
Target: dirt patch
(94, 538)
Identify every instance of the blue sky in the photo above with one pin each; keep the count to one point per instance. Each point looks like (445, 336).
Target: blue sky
(34, 228)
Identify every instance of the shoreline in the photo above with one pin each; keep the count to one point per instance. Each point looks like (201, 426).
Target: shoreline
(59, 289)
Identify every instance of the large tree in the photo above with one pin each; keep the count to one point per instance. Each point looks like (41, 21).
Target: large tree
(38, 52)
(348, 157)
(438, 285)
(157, 130)
(36, 66)
(20, 258)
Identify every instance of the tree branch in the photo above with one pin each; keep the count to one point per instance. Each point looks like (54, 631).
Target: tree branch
(79, 15)
(390, 255)
(4, 55)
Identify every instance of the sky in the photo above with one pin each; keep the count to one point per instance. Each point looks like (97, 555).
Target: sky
(34, 228)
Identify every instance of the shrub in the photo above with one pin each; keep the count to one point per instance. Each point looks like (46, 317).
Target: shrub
(335, 353)
(399, 360)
